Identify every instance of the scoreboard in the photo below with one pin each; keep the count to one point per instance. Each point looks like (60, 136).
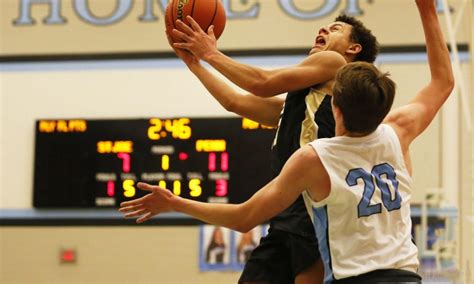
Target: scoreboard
(97, 163)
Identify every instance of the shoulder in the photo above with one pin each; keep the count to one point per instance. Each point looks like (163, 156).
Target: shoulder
(313, 171)
(329, 55)
(301, 159)
(307, 154)
(401, 124)
(306, 160)
(327, 58)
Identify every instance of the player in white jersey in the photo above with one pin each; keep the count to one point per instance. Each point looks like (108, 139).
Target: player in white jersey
(358, 182)
(364, 224)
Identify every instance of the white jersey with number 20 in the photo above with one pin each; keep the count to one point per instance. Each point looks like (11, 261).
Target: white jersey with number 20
(364, 224)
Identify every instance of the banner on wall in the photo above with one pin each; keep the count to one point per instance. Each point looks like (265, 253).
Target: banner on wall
(82, 27)
(221, 249)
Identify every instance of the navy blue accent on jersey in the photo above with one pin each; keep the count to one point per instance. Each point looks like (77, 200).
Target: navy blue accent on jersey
(295, 219)
(365, 208)
(321, 227)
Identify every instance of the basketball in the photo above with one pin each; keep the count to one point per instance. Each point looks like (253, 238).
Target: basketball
(204, 12)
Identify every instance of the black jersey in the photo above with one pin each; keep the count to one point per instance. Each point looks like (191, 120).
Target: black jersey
(306, 116)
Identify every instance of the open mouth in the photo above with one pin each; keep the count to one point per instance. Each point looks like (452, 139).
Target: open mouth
(320, 41)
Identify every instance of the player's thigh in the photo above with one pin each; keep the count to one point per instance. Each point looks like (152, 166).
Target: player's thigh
(305, 259)
(311, 275)
(269, 262)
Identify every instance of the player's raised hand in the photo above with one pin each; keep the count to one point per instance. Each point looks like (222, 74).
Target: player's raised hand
(159, 200)
(194, 39)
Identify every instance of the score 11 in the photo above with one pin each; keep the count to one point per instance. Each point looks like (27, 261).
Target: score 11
(224, 162)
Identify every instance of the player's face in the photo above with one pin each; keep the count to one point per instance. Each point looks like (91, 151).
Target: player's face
(335, 37)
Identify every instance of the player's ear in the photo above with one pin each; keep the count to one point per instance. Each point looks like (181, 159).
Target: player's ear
(354, 49)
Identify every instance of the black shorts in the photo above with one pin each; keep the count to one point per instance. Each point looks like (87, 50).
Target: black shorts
(388, 276)
(279, 257)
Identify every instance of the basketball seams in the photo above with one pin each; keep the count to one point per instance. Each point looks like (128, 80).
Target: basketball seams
(201, 12)
(192, 9)
(213, 16)
(175, 9)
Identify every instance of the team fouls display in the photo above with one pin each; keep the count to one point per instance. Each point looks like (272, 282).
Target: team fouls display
(97, 163)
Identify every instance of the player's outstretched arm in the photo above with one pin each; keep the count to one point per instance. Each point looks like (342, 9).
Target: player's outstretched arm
(412, 119)
(316, 69)
(262, 110)
(240, 217)
(266, 203)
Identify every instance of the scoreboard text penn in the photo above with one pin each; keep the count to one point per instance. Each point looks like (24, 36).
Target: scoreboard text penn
(97, 163)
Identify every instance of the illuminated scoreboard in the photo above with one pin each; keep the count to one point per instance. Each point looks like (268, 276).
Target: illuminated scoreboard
(97, 163)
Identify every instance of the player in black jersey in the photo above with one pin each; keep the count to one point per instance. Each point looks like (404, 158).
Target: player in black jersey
(289, 253)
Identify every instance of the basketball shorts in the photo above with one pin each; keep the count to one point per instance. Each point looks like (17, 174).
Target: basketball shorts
(279, 257)
(385, 276)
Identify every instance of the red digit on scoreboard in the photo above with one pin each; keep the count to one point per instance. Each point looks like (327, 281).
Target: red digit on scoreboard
(221, 187)
(125, 157)
(212, 162)
(224, 162)
(110, 188)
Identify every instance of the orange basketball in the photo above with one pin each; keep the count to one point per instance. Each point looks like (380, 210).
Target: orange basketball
(204, 12)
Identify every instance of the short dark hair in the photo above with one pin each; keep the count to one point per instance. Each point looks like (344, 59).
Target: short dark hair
(364, 95)
(363, 36)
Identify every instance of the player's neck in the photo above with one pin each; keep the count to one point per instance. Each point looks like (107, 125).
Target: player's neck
(342, 131)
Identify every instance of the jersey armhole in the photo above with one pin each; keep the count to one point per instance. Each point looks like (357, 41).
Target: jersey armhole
(317, 147)
(398, 145)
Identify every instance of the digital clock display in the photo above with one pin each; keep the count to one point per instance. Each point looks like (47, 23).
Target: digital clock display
(97, 163)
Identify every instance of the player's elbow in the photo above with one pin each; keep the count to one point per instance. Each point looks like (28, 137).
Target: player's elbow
(447, 87)
(450, 83)
(243, 228)
(243, 225)
(246, 221)
(446, 83)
